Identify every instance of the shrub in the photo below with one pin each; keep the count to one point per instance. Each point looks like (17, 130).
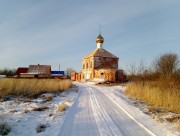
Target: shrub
(47, 98)
(4, 128)
(60, 107)
(40, 128)
(40, 108)
(25, 111)
(166, 64)
(69, 101)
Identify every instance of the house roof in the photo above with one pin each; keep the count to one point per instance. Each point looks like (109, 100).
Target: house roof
(41, 69)
(100, 52)
(21, 70)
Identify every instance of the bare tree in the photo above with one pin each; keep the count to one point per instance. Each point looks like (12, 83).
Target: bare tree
(166, 64)
(132, 69)
(69, 71)
(8, 72)
(137, 69)
(141, 69)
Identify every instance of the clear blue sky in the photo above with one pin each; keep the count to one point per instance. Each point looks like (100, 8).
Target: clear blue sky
(54, 32)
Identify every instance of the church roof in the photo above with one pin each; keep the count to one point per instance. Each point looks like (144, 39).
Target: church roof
(100, 52)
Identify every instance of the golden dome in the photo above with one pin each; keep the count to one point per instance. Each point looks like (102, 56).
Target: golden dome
(99, 39)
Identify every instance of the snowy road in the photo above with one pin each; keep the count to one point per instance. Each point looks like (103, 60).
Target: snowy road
(95, 113)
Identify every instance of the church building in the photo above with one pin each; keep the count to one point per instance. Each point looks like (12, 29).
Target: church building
(99, 64)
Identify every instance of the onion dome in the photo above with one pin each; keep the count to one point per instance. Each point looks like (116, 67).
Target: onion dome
(99, 39)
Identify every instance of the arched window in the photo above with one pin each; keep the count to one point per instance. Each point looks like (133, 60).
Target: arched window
(87, 66)
(91, 65)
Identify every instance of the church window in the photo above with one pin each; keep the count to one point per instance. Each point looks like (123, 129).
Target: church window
(87, 66)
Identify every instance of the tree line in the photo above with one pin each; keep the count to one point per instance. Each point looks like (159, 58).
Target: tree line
(8, 72)
(166, 65)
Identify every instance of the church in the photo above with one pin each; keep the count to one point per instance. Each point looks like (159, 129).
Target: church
(99, 64)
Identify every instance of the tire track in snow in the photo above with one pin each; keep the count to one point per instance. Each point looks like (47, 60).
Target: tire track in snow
(95, 114)
(79, 120)
(130, 116)
(104, 122)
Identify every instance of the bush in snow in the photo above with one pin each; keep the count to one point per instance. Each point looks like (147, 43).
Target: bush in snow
(61, 107)
(47, 98)
(25, 111)
(41, 108)
(69, 101)
(4, 129)
(40, 128)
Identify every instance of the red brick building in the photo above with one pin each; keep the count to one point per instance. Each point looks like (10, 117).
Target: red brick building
(100, 64)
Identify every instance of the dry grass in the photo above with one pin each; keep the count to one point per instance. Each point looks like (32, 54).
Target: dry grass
(25, 111)
(178, 125)
(32, 87)
(41, 108)
(48, 98)
(164, 93)
(173, 119)
(69, 101)
(61, 107)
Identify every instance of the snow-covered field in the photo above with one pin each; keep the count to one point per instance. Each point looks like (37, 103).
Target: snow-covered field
(24, 118)
(92, 111)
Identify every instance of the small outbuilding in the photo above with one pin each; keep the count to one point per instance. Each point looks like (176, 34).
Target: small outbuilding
(21, 70)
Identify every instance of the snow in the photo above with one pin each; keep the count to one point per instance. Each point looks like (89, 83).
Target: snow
(23, 120)
(97, 80)
(106, 111)
(116, 93)
(2, 76)
(92, 111)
